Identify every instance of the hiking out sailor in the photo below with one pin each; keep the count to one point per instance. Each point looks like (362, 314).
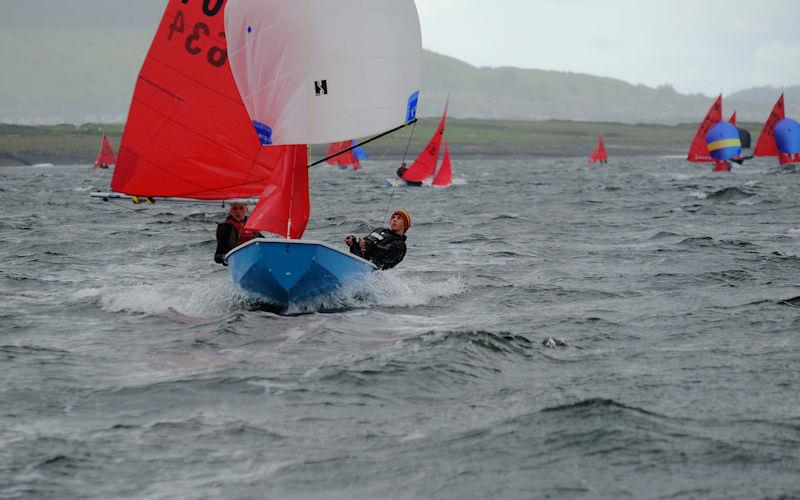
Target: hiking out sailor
(231, 232)
(385, 247)
(402, 170)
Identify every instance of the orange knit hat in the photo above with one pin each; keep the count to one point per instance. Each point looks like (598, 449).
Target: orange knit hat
(405, 215)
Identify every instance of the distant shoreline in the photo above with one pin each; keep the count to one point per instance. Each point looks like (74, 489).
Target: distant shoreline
(45, 157)
(468, 138)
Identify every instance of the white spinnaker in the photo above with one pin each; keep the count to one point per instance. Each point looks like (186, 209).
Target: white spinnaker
(365, 53)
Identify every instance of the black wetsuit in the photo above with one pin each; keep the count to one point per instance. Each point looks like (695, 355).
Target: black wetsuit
(401, 171)
(230, 234)
(385, 248)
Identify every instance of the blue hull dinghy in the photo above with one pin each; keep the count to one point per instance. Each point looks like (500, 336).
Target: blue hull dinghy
(286, 272)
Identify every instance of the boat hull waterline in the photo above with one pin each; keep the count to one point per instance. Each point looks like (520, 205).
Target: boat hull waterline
(291, 272)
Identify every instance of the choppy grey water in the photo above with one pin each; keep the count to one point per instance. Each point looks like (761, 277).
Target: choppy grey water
(132, 368)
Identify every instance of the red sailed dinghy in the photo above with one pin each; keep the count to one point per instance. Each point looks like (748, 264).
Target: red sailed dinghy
(599, 153)
(105, 156)
(698, 151)
(424, 166)
(343, 160)
(767, 144)
(223, 112)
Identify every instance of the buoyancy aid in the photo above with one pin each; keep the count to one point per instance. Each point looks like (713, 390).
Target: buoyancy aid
(243, 235)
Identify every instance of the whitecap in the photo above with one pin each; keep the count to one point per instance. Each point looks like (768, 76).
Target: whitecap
(204, 299)
(390, 289)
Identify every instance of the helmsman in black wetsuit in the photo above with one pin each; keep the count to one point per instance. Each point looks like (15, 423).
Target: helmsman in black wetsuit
(231, 232)
(402, 170)
(385, 247)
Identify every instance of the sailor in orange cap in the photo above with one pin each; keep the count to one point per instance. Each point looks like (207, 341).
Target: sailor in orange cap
(385, 247)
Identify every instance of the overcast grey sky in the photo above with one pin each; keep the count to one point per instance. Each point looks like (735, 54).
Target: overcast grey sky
(703, 46)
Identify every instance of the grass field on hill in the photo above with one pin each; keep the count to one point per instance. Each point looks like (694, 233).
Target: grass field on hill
(70, 144)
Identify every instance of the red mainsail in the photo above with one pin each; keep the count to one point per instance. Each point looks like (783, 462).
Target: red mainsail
(444, 177)
(766, 145)
(106, 155)
(425, 164)
(188, 133)
(344, 159)
(732, 119)
(284, 206)
(698, 153)
(599, 153)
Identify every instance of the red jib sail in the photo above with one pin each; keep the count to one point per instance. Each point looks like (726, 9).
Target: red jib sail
(344, 159)
(425, 164)
(106, 155)
(698, 152)
(284, 205)
(732, 119)
(444, 177)
(188, 133)
(766, 145)
(599, 153)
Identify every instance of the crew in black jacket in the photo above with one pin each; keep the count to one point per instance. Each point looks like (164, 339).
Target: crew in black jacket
(385, 247)
(402, 170)
(231, 232)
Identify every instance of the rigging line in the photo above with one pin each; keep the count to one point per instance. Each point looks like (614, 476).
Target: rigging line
(414, 122)
(384, 152)
(397, 178)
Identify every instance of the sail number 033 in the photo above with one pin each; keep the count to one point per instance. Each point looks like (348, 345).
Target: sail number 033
(216, 56)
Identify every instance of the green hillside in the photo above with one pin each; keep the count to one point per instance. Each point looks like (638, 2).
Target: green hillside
(68, 144)
(75, 75)
(532, 94)
(87, 74)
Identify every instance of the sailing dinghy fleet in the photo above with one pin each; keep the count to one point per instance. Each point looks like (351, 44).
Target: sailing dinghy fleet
(346, 154)
(229, 97)
(232, 92)
(721, 142)
(423, 168)
(105, 156)
(599, 153)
